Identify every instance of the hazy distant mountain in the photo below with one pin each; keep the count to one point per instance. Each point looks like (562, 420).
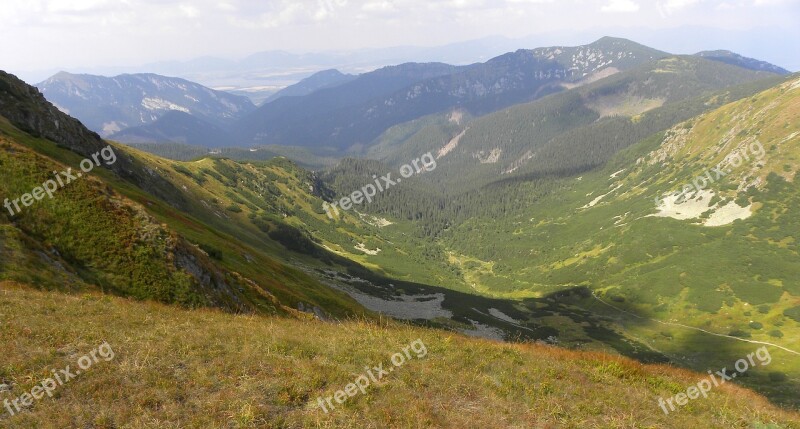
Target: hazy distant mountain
(310, 120)
(572, 131)
(176, 127)
(335, 113)
(733, 58)
(111, 104)
(315, 82)
(357, 112)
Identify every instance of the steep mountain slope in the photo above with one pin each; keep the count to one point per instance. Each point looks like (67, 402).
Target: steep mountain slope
(309, 121)
(176, 127)
(480, 88)
(110, 104)
(320, 80)
(27, 109)
(735, 59)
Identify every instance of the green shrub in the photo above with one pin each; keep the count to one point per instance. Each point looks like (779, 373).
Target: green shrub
(793, 313)
(777, 377)
(739, 333)
(212, 251)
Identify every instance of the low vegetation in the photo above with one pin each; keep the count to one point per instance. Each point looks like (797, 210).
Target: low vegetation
(204, 368)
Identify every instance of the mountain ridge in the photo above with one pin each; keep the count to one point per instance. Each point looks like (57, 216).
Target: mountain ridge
(111, 104)
(483, 87)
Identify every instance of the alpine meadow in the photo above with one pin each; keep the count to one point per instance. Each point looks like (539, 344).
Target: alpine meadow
(400, 214)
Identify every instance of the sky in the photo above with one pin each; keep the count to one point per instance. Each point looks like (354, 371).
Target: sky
(64, 34)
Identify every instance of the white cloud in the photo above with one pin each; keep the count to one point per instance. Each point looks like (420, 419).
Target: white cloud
(379, 7)
(189, 11)
(668, 7)
(84, 33)
(620, 6)
(461, 4)
(75, 5)
(226, 6)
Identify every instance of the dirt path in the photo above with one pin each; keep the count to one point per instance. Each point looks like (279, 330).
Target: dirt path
(696, 329)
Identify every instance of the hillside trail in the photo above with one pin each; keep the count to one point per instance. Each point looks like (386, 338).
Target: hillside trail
(696, 329)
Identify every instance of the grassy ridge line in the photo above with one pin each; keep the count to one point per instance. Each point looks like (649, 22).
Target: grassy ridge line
(205, 368)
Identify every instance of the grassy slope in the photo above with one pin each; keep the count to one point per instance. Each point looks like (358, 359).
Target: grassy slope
(111, 234)
(203, 368)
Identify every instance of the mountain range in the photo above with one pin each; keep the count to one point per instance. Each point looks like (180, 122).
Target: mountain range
(337, 114)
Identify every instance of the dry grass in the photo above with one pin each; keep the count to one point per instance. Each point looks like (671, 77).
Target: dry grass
(207, 369)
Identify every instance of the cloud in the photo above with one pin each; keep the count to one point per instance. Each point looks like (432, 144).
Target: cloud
(76, 6)
(768, 2)
(620, 6)
(84, 33)
(189, 11)
(668, 7)
(461, 4)
(380, 7)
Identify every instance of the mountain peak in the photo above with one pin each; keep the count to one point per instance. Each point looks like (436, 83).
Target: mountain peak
(612, 39)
